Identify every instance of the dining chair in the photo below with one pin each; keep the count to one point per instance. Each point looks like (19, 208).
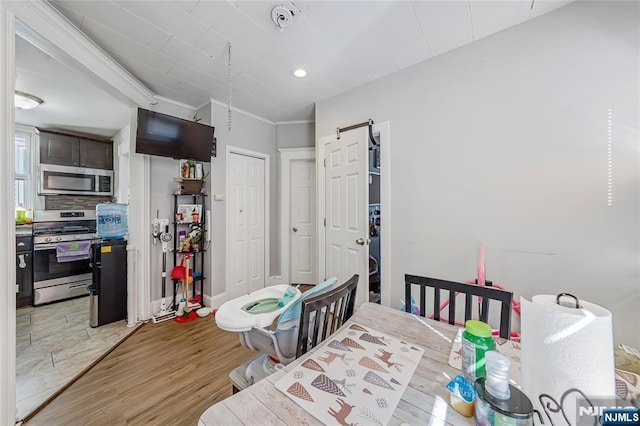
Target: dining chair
(484, 294)
(323, 314)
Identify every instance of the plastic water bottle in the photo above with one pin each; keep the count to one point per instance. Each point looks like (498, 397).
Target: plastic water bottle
(111, 220)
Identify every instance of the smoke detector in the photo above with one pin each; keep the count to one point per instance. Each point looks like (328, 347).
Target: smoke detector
(282, 17)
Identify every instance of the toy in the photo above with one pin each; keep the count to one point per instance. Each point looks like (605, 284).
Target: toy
(184, 313)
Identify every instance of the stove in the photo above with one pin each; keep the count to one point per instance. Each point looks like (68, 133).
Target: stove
(57, 277)
(56, 232)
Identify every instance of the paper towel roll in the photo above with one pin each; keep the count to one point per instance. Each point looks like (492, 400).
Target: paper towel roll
(565, 348)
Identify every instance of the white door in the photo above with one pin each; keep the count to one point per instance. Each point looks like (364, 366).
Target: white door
(302, 216)
(246, 224)
(346, 200)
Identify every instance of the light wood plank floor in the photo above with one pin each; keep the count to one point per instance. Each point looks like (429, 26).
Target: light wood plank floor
(165, 374)
(54, 344)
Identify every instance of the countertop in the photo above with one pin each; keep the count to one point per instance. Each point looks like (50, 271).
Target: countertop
(24, 230)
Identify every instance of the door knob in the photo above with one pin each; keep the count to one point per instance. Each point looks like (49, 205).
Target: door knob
(360, 241)
(22, 263)
(294, 229)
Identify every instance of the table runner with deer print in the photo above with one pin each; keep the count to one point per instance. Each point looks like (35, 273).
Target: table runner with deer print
(357, 376)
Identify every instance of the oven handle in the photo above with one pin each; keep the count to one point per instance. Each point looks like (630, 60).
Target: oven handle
(71, 287)
(38, 247)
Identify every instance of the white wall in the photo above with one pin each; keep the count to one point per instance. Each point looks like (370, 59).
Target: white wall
(121, 164)
(505, 142)
(250, 133)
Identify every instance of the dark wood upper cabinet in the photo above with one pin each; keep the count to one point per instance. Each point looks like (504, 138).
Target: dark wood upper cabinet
(59, 149)
(96, 155)
(78, 151)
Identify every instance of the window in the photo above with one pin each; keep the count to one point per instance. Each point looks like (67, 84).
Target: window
(22, 177)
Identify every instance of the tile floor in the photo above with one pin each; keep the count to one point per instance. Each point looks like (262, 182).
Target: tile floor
(54, 343)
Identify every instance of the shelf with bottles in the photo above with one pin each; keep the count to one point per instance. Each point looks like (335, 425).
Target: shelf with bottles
(191, 178)
(191, 241)
(189, 225)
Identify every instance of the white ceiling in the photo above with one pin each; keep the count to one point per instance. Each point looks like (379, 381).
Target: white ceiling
(179, 48)
(71, 100)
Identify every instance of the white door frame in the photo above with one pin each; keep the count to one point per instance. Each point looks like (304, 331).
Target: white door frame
(54, 34)
(287, 155)
(385, 202)
(7, 221)
(267, 203)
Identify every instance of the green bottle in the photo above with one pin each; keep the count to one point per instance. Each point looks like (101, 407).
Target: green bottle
(476, 342)
(21, 215)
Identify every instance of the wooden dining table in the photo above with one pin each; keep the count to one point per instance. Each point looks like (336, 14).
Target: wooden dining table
(425, 400)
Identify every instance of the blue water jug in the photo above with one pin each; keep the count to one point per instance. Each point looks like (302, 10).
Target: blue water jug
(111, 220)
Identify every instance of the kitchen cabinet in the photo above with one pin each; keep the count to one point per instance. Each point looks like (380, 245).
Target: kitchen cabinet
(77, 151)
(24, 272)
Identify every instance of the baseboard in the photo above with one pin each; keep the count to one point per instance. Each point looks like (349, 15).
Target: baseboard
(210, 301)
(216, 301)
(155, 305)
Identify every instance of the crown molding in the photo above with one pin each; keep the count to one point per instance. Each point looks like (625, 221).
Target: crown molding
(295, 122)
(177, 103)
(241, 111)
(42, 25)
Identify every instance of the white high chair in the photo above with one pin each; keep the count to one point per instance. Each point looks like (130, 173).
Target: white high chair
(274, 334)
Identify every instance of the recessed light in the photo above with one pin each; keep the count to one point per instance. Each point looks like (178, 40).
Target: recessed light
(300, 73)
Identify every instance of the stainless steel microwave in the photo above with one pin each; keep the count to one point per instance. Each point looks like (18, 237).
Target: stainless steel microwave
(74, 180)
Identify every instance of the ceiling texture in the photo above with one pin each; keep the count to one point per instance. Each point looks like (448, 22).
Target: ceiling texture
(179, 49)
(71, 100)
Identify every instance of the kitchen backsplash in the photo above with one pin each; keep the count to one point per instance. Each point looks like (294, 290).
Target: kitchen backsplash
(73, 202)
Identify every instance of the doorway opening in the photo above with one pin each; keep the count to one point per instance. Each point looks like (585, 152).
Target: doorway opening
(375, 221)
(298, 224)
(353, 199)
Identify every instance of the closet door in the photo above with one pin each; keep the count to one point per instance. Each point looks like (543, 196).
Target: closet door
(246, 224)
(302, 217)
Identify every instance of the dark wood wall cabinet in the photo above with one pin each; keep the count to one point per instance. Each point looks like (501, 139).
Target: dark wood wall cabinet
(66, 149)
(24, 271)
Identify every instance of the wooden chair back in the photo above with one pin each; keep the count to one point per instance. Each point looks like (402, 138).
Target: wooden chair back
(485, 294)
(324, 313)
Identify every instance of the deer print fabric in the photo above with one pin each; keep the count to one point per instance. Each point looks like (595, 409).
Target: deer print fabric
(356, 376)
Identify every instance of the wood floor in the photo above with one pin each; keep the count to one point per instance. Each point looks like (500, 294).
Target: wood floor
(164, 374)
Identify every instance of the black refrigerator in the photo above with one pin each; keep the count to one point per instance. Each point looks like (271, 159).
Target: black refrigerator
(108, 299)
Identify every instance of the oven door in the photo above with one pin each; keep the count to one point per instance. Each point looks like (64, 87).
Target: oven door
(48, 271)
